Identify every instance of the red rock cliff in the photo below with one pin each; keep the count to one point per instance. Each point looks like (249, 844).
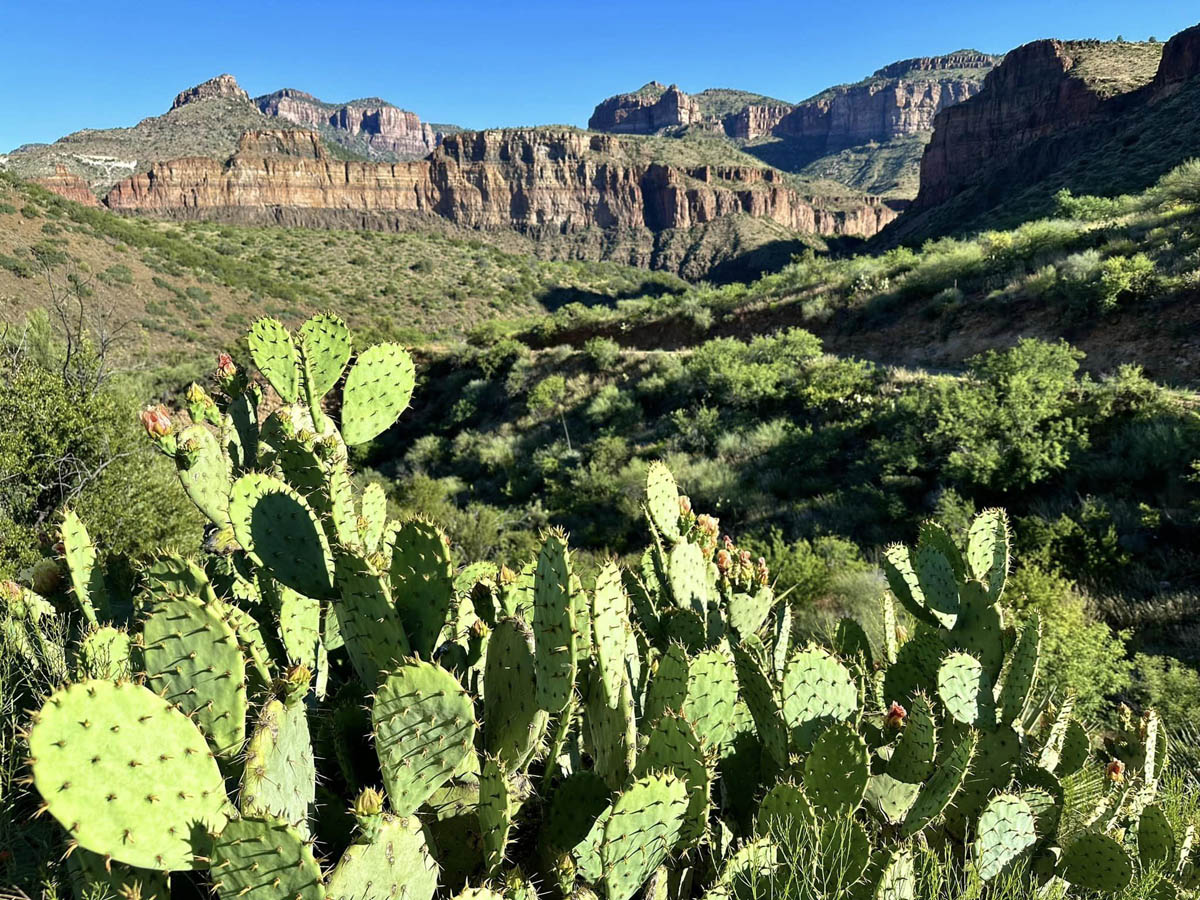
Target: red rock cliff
(536, 182)
(377, 127)
(645, 111)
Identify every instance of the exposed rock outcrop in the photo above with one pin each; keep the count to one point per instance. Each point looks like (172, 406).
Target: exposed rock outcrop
(962, 59)
(223, 86)
(647, 110)
(1089, 116)
(754, 121)
(68, 185)
(537, 182)
(373, 127)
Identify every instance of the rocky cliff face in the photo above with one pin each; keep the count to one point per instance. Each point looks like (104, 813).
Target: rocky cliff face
(898, 100)
(754, 121)
(537, 182)
(1088, 116)
(646, 111)
(223, 86)
(372, 127)
(67, 184)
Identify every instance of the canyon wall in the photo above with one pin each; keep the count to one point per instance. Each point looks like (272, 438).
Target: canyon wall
(537, 182)
(646, 111)
(372, 127)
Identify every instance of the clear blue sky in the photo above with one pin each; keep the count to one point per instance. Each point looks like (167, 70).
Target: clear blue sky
(69, 64)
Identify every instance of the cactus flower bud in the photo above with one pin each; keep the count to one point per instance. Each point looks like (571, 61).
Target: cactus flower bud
(763, 573)
(729, 544)
(724, 561)
(157, 421)
(295, 682)
(225, 367)
(368, 803)
(507, 575)
(685, 506)
(896, 715)
(1115, 771)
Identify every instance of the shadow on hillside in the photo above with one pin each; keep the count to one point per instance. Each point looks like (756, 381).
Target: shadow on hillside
(556, 298)
(774, 256)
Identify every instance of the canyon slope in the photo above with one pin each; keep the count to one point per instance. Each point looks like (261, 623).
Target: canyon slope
(209, 119)
(868, 135)
(288, 158)
(1090, 117)
(578, 194)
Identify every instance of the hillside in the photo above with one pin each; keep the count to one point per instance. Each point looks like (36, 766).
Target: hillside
(191, 288)
(1090, 117)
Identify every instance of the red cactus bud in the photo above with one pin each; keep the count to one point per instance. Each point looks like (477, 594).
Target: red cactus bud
(744, 558)
(896, 715)
(225, 366)
(1116, 771)
(729, 544)
(763, 573)
(157, 421)
(724, 561)
(685, 506)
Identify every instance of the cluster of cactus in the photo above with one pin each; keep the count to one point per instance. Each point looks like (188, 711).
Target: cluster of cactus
(323, 679)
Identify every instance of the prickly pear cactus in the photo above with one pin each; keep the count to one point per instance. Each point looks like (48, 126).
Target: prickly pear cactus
(424, 726)
(128, 775)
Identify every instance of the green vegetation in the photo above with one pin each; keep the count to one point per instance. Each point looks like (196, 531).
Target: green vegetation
(575, 723)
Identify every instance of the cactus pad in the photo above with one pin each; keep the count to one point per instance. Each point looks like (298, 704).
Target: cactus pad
(748, 610)
(610, 624)
(367, 620)
(1096, 862)
(104, 653)
(495, 814)
(513, 722)
(193, 659)
(662, 500)
(1155, 839)
(275, 354)
(1005, 832)
(942, 787)
(279, 530)
(836, 771)
(688, 573)
(422, 578)
(645, 823)
(206, 475)
(378, 389)
(673, 746)
(817, 691)
(785, 814)
(987, 550)
(279, 777)
(264, 859)
(916, 749)
(394, 865)
(933, 535)
(424, 727)
(613, 732)
(915, 668)
(325, 349)
(128, 775)
(902, 579)
(87, 581)
(712, 693)
(757, 691)
(555, 648)
(965, 691)
(938, 585)
(1021, 675)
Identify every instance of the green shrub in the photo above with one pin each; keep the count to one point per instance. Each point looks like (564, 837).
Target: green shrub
(603, 352)
(1081, 655)
(1170, 686)
(1180, 184)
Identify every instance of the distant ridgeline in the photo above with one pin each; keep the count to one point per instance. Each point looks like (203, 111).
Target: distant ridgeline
(664, 179)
